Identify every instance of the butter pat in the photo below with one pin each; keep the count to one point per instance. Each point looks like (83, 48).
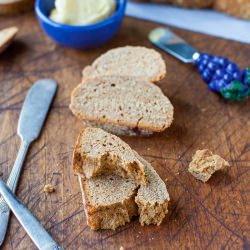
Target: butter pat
(82, 12)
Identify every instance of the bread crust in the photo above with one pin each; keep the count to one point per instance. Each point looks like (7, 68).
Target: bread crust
(100, 123)
(118, 130)
(152, 199)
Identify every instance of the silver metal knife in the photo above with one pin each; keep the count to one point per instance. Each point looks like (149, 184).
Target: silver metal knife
(168, 41)
(31, 120)
(34, 229)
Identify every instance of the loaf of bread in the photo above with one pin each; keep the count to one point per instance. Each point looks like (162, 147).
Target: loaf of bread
(128, 61)
(238, 8)
(135, 104)
(188, 3)
(100, 153)
(204, 164)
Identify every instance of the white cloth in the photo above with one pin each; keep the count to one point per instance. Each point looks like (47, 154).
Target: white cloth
(203, 21)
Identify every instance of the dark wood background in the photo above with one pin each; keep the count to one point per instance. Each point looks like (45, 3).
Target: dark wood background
(215, 215)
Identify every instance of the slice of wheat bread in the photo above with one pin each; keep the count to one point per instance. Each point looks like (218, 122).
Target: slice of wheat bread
(122, 101)
(128, 61)
(109, 201)
(100, 153)
(153, 198)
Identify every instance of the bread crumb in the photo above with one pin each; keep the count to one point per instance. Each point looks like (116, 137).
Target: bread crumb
(48, 188)
(166, 179)
(121, 248)
(204, 164)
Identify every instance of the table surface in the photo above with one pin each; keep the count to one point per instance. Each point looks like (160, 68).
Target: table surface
(214, 215)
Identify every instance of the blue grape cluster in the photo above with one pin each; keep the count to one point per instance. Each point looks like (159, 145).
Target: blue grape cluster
(224, 76)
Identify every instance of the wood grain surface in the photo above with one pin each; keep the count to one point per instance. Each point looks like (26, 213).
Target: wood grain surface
(215, 215)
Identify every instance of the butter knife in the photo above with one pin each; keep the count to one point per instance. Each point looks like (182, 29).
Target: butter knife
(219, 73)
(34, 229)
(31, 120)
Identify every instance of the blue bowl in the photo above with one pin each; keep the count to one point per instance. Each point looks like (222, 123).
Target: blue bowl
(80, 37)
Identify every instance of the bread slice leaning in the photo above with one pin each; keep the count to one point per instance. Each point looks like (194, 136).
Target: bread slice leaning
(109, 201)
(128, 61)
(153, 198)
(100, 153)
(130, 103)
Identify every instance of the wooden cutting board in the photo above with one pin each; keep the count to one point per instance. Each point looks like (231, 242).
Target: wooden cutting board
(13, 7)
(201, 216)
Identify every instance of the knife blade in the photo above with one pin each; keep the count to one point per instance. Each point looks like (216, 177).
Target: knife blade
(31, 120)
(35, 109)
(168, 41)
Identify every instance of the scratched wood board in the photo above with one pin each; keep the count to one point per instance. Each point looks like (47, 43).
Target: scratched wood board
(201, 216)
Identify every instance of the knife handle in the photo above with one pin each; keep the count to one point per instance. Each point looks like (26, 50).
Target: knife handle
(224, 76)
(12, 184)
(17, 168)
(34, 229)
(4, 218)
